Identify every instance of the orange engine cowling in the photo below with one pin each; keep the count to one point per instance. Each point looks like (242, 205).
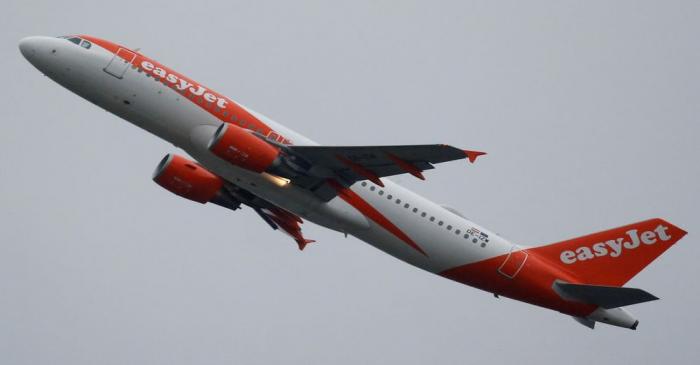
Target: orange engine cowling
(187, 179)
(241, 148)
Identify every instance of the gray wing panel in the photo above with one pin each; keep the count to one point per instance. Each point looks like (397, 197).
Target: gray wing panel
(377, 159)
(603, 296)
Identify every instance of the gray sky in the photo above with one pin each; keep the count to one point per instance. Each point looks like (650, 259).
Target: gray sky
(588, 109)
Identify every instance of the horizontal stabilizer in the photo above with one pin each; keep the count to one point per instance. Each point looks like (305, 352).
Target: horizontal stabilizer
(585, 321)
(602, 296)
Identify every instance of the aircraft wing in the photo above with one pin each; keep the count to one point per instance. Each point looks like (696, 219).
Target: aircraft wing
(347, 164)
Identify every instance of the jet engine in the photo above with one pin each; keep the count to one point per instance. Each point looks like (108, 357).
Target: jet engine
(191, 181)
(241, 148)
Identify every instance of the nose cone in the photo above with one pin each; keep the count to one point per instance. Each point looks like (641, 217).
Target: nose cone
(42, 52)
(29, 45)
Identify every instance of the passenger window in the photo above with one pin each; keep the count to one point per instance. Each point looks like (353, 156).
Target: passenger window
(432, 219)
(388, 196)
(415, 210)
(372, 188)
(381, 192)
(406, 205)
(457, 232)
(440, 223)
(85, 44)
(423, 214)
(449, 228)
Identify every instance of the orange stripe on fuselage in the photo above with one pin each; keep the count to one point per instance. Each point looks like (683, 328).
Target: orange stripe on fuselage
(218, 105)
(370, 212)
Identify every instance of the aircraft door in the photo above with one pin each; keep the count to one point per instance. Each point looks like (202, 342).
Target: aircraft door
(515, 261)
(118, 65)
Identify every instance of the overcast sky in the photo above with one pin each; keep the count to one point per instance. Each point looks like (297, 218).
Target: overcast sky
(588, 110)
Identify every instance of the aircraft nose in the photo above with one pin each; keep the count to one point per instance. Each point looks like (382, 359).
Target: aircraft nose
(29, 45)
(41, 52)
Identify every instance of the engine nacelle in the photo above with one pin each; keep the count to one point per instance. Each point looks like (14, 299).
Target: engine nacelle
(187, 179)
(241, 148)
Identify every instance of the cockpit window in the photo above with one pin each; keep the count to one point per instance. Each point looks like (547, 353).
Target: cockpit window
(77, 40)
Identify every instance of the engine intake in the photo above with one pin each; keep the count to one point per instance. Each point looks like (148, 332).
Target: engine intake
(191, 181)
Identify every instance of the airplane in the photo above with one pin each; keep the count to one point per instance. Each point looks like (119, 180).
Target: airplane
(243, 158)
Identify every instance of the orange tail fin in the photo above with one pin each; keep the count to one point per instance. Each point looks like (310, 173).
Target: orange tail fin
(615, 256)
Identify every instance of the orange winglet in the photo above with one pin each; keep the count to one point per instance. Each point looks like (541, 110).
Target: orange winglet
(406, 166)
(360, 170)
(472, 155)
(289, 223)
(302, 242)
